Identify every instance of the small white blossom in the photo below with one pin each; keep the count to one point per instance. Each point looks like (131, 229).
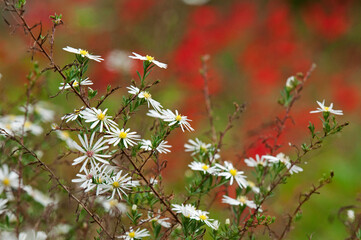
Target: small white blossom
(172, 118)
(196, 146)
(253, 187)
(127, 138)
(281, 157)
(118, 184)
(149, 59)
(32, 235)
(113, 206)
(259, 161)
(241, 200)
(138, 234)
(329, 109)
(351, 215)
(229, 172)
(72, 116)
(205, 168)
(8, 179)
(90, 151)
(75, 83)
(83, 53)
(202, 216)
(97, 116)
(39, 197)
(188, 210)
(161, 148)
(147, 96)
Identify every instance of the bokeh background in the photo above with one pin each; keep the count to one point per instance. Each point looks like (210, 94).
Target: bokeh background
(254, 46)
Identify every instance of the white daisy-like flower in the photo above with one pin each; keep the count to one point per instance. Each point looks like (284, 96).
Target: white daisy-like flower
(149, 59)
(253, 187)
(8, 179)
(172, 118)
(196, 146)
(39, 197)
(138, 234)
(281, 157)
(86, 179)
(113, 206)
(229, 172)
(118, 184)
(329, 109)
(162, 147)
(97, 116)
(101, 178)
(157, 218)
(127, 138)
(187, 210)
(259, 161)
(241, 200)
(83, 53)
(202, 216)
(147, 96)
(90, 151)
(75, 83)
(205, 168)
(32, 235)
(73, 116)
(3, 203)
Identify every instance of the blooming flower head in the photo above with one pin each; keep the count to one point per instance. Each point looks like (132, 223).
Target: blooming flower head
(281, 157)
(323, 108)
(202, 216)
(75, 83)
(172, 118)
(113, 206)
(86, 179)
(8, 179)
(97, 116)
(259, 161)
(188, 210)
(118, 184)
(148, 59)
(147, 96)
(162, 147)
(138, 234)
(83, 53)
(32, 235)
(229, 172)
(196, 146)
(127, 138)
(90, 151)
(241, 200)
(205, 168)
(72, 116)
(253, 186)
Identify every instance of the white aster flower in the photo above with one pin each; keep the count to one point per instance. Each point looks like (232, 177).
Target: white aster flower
(8, 179)
(149, 59)
(86, 179)
(39, 197)
(172, 118)
(196, 146)
(75, 83)
(158, 218)
(188, 210)
(161, 148)
(83, 53)
(229, 172)
(72, 116)
(118, 184)
(97, 116)
(329, 109)
(202, 216)
(147, 96)
(113, 206)
(205, 168)
(253, 187)
(241, 200)
(3, 203)
(90, 151)
(138, 234)
(32, 235)
(281, 157)
(127, 138)
(259, 161)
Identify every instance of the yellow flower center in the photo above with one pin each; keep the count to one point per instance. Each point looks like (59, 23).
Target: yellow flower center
(6, 181)
(251, 184)
(203, 217)
(101, 116)
(147, 95)
(178, 118)
(75, 83)
(149, 58)
(123, 135)
(27, 124)
(113, 202)
(205, 167)
(233, 172)
(8, 126)
(83, 52)
(65, 134)
(131, 234)
(116, 184)
(326, 109)
(242, 199)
